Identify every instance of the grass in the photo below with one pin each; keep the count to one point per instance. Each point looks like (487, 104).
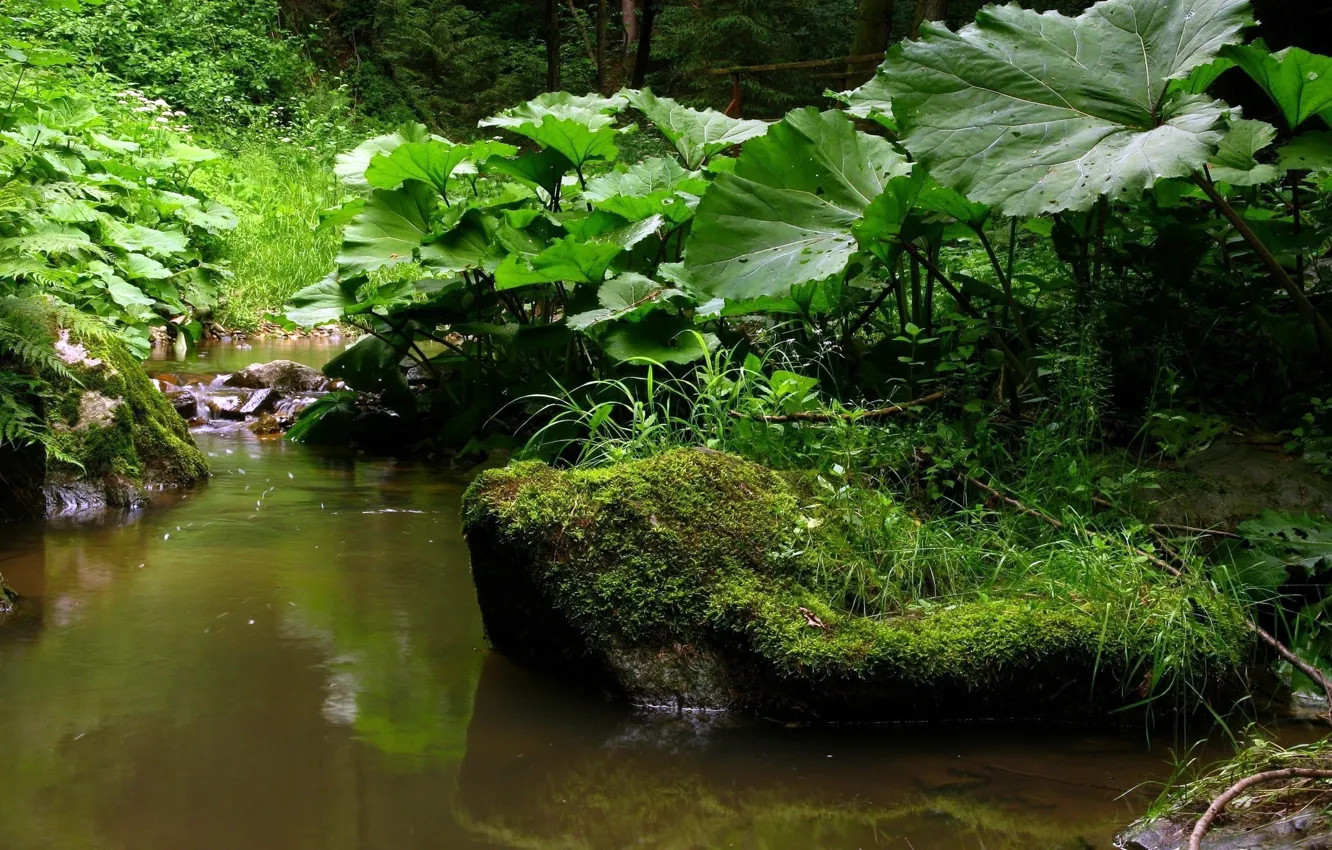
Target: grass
(277, 193)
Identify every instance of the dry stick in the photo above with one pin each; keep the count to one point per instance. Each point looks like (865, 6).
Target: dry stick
(1296, 293)
(1205, 822)
(855, 415)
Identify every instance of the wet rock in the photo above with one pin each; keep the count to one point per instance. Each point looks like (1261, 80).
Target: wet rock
(1302, 831)
(260, 401)
(185, 402)
(284, 375)
(226, 405)
(266, 424)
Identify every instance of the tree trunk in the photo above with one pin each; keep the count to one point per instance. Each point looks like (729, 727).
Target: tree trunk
(629, 12)
(928, 10)
(874, 28)
(644, 58)
(601, 46)
(552, 45)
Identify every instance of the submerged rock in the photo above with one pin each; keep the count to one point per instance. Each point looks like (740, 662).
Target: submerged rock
(285, 375)
(680, 581)
(114, 438)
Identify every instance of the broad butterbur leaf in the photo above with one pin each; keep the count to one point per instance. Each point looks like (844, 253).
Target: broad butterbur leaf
(659, 338)
(580, 128)
(1299, 82)
(1038, 113)
(697, 134)
(388, 229)
(1311, 151)
(628, 297)
(785, 216)
(656, 186)
(323, 302)
(1236, 159)
(350, 166)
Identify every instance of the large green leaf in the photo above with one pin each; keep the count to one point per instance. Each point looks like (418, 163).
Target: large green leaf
(580, 128)
(467, 245)
(350, 166)
(784, 217)
(656, 186)
(697, 134)
(660, 338)
(567, 259)
(323, 302)
(433, 162)
(628, 297)
(1299, 82)
(543, 169)
(147, 240)
(1038, 113)
(388, 229)
(1311, 151)
(1236, 159)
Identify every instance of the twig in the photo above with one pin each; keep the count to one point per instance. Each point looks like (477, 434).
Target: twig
(1205, 822)
(1315, 675)
(853, 415)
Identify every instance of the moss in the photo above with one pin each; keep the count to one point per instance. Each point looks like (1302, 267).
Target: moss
(7, 598)
(690, 566)
(145, 441)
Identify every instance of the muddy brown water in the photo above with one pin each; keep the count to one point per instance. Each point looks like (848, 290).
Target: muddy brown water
(290, 656)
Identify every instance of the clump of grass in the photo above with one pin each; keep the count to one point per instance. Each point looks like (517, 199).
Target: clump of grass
(1194, 786)
(277, 248)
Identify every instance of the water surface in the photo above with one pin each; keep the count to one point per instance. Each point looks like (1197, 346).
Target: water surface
(290, 656)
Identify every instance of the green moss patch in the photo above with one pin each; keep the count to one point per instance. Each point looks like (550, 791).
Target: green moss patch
(114, 423)
(692, 578)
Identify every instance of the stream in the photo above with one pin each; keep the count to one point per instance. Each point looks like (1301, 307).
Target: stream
(290, 656)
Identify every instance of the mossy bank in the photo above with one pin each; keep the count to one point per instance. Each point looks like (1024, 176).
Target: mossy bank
(114, 437)
(688, 580)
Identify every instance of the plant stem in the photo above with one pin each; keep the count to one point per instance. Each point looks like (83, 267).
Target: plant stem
(1306, 308)
(1006, 281)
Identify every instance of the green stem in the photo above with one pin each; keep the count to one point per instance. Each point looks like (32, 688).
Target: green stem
(1302, 302)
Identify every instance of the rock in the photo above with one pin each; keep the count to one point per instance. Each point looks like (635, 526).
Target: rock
(266, 424)
(1236, 479)
(1301, 831)
(285, 375)
(185, 402)
(124, 434)
(683, 581)
(226, 405)
(7, 598)
(261, 401)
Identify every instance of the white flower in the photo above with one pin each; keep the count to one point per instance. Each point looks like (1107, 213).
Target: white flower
(143, 109)
(162, 119)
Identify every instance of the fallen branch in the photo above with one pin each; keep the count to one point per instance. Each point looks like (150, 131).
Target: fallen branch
(852, 415)
(1205, 822)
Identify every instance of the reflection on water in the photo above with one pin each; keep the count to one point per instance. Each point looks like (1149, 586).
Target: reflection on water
(290, 657)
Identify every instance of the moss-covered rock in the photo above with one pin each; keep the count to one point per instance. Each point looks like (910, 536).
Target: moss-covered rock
(7, 598)
(680, 581)
(115, 435)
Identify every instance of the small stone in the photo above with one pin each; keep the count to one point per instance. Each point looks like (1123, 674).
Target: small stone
(283, 375)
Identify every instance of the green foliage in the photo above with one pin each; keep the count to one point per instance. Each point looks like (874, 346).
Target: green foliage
(112, 223)
(1037, 114)
(222, 60)
(692, 544)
